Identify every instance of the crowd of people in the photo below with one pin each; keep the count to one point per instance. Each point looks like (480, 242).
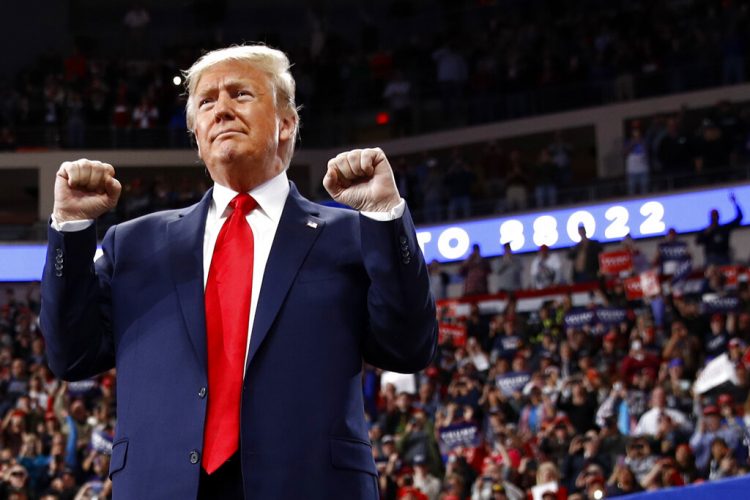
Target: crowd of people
(477, 61)
(605, 397)
(565, 400)
(56, 436)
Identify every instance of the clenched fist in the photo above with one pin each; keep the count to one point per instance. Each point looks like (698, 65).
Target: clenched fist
(85, 189)
(363, 180)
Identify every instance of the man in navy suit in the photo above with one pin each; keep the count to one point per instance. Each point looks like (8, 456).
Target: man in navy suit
(328, 288)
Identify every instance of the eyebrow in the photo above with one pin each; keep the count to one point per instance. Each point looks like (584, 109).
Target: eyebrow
(228, 84)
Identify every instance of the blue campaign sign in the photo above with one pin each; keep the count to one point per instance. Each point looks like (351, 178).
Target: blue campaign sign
(641, 218)
(462, 435)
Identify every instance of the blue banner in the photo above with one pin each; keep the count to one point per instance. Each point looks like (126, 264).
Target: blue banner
(641, 218)
(463, 435)
(512, 382)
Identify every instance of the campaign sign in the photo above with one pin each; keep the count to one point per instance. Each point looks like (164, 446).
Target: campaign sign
(671, 255)
(81, 387)
(452, 333)
(644, 285)
(614, 263)
(716, 304)
(681, 271)
(633, 289)
(610, 316)
(731, 275)
(579, 317)
(512, 382)
(101, 441)
(650, 285)
(463, 435)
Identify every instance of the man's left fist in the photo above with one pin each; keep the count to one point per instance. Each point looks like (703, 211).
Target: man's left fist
(362, 179)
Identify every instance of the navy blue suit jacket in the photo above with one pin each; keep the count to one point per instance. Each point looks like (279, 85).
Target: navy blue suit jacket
(338, 289)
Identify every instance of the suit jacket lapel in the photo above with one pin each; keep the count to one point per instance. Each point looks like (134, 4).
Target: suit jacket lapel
(298, 229)
(185, 237)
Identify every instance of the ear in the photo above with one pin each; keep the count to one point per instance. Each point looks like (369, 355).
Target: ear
(286, 128)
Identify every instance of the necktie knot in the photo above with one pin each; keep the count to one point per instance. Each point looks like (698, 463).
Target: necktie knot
(244, 203)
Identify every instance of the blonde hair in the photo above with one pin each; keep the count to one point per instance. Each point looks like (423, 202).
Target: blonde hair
(271, 61)
(545, 467)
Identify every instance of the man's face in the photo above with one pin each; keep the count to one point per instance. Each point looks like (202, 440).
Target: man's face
(240, 136)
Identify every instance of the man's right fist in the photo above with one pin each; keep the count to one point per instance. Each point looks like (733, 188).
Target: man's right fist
(85, 189)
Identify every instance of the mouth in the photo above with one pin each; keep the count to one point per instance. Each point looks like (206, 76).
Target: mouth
(225, 133)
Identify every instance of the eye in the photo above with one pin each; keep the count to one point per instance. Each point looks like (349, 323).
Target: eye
(204, 101)
(244, 93)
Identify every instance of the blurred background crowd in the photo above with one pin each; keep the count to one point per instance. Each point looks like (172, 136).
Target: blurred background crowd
(425, 64)
(577, 385)
(567, 383)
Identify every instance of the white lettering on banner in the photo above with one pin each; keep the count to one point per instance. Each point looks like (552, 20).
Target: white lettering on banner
(558, 228)
(453, 251)
(576, 219)
(511, 231)
(615, 260)
(423, 237)
(619, 228)
(611, 316)
(654, 213)
(545, 231)
(459, 436)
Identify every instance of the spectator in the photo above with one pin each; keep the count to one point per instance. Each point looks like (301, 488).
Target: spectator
(561, 153)
(711, 154)
(545, 175)
(459, 183)
(434, 192)
(622, 482)
(546, 269)
(636, 162)
(648, 424)
(709, 429)
(452, 75)
(585, 257)
(716, 341)
(439, 280)
(508, 272)
(674, 150)
(639, 458)
(516, 184)
(397, 94)
(715, 237)
(475, 270)
(424, 480)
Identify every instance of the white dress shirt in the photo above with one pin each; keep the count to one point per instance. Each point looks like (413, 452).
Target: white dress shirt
(271, 196)
(264, 220)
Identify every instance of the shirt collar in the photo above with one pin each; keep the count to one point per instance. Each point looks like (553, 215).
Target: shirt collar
(271, 197)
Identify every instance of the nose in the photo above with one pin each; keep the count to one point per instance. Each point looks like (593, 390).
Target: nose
(223, 108)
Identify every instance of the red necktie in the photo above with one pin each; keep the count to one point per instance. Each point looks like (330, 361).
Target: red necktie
(228, 290)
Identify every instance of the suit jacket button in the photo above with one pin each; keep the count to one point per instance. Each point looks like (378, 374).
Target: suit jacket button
(403, 240)
(58, 274)
(58, 252)
(195, 457)
(202, 392)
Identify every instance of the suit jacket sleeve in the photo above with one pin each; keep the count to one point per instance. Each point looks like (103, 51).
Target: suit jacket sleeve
(403, 329)
(76, 311)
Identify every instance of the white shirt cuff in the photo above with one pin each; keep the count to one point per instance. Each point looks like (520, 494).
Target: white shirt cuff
(395, 213)
(70, 226)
